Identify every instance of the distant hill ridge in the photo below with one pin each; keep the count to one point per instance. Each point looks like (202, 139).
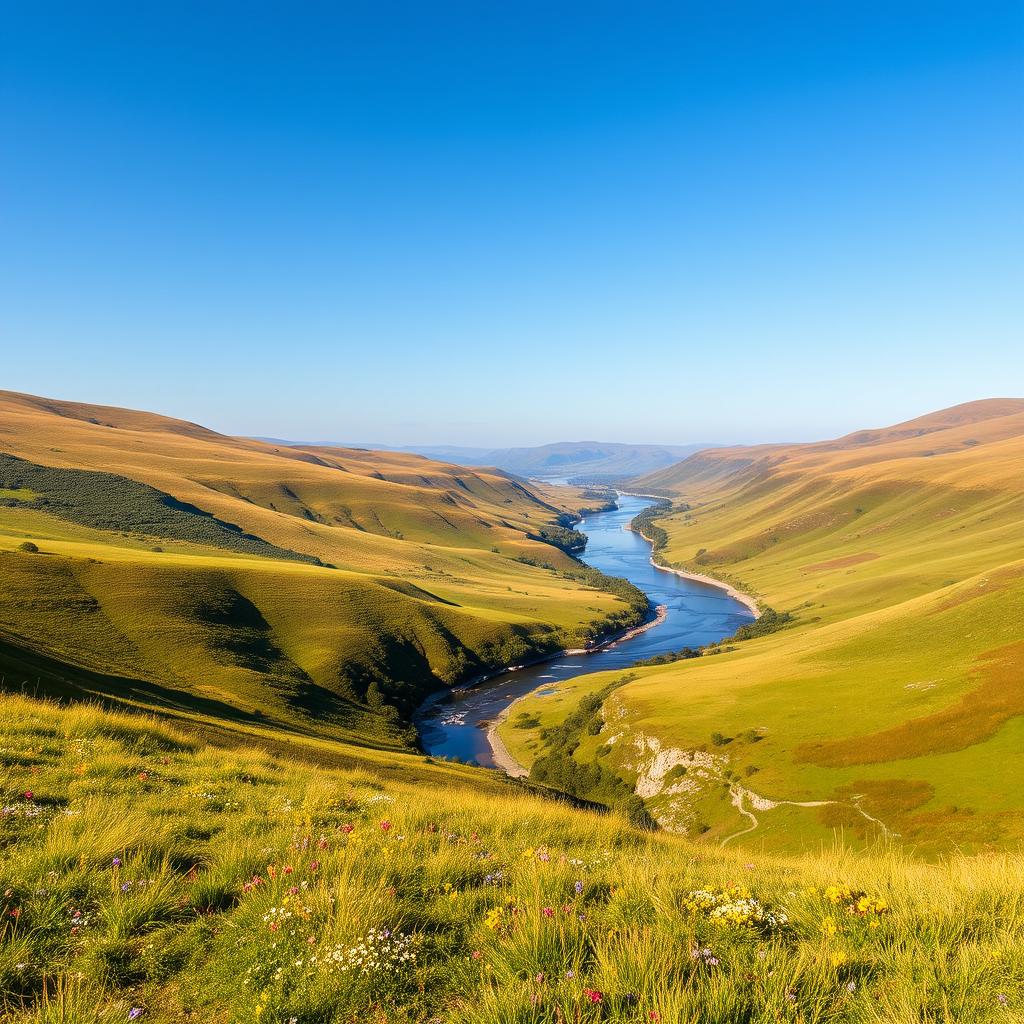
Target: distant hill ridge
(594, 460)
(943, 433)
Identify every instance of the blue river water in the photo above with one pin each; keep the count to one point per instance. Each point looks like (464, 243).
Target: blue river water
(697, 613)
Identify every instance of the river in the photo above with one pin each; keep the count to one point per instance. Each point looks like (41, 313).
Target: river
(697, 613)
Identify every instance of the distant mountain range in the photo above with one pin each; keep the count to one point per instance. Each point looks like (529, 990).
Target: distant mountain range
(592, 460)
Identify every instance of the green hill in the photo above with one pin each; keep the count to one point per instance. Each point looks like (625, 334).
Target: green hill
(319, 590)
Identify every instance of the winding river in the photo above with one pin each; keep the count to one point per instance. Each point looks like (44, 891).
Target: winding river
(696, 613)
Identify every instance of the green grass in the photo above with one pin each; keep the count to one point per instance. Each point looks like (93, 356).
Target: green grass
(145, 871)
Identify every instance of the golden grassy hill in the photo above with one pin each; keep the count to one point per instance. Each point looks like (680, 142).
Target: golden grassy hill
(894, 699)
(317, 589)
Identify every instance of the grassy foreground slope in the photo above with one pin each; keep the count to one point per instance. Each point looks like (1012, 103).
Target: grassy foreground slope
(148, 877)
(894, 699)
(320, 590)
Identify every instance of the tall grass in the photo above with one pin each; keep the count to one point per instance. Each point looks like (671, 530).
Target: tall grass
(145, 877)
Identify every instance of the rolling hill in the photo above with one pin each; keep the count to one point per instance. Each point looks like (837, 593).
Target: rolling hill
(323, 590)
(891, 700)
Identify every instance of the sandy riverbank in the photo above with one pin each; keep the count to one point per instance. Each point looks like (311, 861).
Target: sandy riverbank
(737, 595)
(503, 760)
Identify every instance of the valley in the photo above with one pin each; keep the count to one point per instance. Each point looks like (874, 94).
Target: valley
(886, 704)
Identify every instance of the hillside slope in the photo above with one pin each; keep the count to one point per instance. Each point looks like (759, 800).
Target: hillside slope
(147, 876)
(317, 589)
(894, 700)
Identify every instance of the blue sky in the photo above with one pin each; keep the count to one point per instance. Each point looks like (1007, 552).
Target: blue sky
(514, 223)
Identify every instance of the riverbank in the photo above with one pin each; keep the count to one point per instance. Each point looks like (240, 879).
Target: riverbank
(611, 640)
(500, 754)
(737, 595)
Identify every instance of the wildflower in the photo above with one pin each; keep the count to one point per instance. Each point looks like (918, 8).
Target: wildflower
(539, 978)
(570, 974)
(704, 955)
(29, 794)
(547, 911)
(851, 987)
(578, 886)
(654, 1015)
(385, 826)
(1001, 999)
(593, 995)
(379, 951)
(348, 829)
(116, 862)
(135, 1013)
(15, 912)
(476, 954)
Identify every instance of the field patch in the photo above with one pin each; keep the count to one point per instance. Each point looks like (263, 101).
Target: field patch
(973, 719)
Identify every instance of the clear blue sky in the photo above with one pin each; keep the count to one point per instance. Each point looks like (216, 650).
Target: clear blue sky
(491, 223)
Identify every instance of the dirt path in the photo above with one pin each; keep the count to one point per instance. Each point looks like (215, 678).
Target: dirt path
(738, 794)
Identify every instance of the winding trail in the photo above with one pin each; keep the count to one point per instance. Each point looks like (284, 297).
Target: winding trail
(737, 795)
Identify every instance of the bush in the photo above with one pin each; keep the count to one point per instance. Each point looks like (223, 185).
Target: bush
(27, 545)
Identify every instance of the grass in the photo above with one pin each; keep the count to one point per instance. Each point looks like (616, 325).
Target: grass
(893, 693)
(148, 876)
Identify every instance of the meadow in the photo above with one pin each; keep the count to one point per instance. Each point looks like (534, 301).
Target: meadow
(147, 876)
